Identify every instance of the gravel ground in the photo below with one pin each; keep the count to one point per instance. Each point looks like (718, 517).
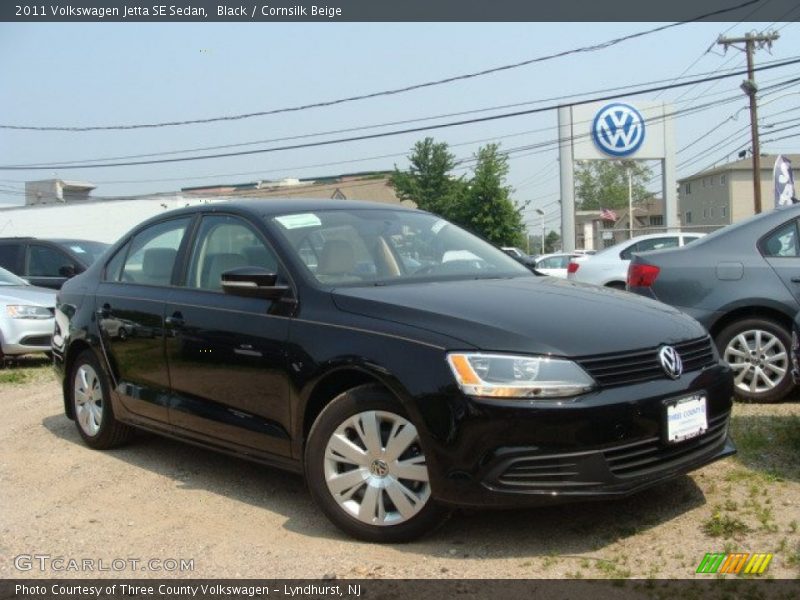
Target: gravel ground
(160, 499)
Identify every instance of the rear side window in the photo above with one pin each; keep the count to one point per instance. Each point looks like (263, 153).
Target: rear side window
(9, 257)
(782, 242)
(153, 252)
(114, 266)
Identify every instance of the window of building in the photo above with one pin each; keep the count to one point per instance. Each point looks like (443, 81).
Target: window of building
(688, 188)
(656, 220)
(724, 211)
(705, 213)
(688, 216)
(723, 179)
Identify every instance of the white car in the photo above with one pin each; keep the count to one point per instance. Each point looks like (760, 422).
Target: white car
(26, 316)
(554, 265)
(609, 267)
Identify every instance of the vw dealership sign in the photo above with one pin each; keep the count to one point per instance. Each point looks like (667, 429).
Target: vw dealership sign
(614, 130)
(618, 129)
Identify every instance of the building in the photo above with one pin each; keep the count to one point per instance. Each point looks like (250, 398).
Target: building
(722, 195)
(595, 233)
(372, 186)
(55, 191)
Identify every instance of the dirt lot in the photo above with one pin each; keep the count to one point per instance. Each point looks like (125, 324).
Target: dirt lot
(160, 499)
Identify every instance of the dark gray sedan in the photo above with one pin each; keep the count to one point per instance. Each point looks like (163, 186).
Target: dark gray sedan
(742, 283)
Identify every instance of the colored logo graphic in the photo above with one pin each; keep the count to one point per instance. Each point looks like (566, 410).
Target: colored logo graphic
(734, 564)
(618, 129)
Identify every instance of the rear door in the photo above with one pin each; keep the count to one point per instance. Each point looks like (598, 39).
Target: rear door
(781, 249)
(130, 304)
(226, 353)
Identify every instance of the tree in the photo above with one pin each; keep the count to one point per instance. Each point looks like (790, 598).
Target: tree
(487, 208)
(481, 204)
(552, 242)
(604, 183)
(428, 181)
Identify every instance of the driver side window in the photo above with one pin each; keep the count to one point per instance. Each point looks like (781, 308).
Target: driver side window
(224, 243)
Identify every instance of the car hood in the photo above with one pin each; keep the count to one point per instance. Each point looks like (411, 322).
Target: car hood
(27, 294)
(526, 314)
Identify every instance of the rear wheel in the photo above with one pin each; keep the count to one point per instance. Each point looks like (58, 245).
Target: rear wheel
(91, 405)
(758, 352)
(367, 470)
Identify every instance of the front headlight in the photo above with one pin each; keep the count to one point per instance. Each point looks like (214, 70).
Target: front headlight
(507, 376)
(26, 311)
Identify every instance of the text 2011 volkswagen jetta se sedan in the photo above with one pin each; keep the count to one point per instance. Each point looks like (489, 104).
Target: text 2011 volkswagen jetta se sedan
(404, 365)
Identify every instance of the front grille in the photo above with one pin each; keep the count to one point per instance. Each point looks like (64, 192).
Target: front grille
(624, 368)
(35, 340)
(644, 456)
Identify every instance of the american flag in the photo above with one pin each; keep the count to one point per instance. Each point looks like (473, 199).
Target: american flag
(608, 215)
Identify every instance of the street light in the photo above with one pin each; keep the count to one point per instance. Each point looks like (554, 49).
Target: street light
(541, 214)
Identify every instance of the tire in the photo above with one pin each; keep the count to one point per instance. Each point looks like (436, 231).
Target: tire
(123, 334)
(758, 351)
(357, 487)
(91, 405)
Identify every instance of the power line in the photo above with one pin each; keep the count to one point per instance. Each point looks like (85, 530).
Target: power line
(384, 124)
(379, 135)
(395, 91)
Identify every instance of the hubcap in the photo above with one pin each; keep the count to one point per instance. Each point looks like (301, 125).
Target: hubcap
(375, 468)
(759, 360)
(88, 400)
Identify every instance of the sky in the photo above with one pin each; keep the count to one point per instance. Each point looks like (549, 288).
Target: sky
(75, 74)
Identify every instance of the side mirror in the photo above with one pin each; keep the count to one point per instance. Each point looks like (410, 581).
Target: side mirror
(67, 271)
(254, 282)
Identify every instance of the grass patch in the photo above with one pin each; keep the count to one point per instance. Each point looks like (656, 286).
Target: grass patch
(725, 526)
(25, 369)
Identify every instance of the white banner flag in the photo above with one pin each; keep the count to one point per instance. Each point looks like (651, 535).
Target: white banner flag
(784, 182)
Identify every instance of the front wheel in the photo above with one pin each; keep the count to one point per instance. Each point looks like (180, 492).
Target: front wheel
(758, 352)
(91, 405)
(366, 468)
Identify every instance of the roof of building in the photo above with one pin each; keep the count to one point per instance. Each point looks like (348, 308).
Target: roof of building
(744, 164)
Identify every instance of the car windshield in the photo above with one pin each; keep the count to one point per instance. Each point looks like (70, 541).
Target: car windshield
(87, 251)
(374, 247)
(7, 278)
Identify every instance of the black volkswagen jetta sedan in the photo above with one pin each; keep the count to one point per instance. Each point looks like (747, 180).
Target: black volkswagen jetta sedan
(402, 364)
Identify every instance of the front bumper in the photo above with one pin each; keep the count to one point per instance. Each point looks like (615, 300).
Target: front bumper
(608, 444)
(23, 336)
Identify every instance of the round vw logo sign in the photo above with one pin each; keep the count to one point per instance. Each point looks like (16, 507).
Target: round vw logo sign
(618, 129)
(670, 361)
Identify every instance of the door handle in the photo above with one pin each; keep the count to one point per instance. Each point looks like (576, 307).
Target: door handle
(105, 311)
(795, 280)
(176, 320)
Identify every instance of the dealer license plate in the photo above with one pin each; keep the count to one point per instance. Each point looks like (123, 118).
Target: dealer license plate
(686, 418)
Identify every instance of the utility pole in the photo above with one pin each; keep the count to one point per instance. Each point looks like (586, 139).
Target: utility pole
(752, 41)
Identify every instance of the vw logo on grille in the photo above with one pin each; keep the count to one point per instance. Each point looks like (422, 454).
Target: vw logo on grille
(618, 129)
(670, 361)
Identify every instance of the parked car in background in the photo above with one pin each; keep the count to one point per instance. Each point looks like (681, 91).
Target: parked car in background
(48, 263)
(554, 265)
(742, 283)
(519, 255)
(26, 316)
(396, 391)
(609, 267)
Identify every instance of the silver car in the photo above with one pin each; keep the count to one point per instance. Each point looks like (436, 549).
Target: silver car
(26, 316)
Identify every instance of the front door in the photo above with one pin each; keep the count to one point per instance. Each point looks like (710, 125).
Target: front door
(226, 353)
